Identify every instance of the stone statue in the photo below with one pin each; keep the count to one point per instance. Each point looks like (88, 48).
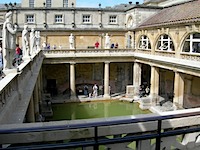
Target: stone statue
(25, 43)
(32, 41)
(9, 41)
(107, 41)
(71, 41)
(38, 40)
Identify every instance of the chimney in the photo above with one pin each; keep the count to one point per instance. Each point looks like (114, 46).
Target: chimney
(130, 3)
(137, 3)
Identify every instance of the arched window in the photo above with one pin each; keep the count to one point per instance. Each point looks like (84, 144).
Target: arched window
(192, 43)
(144, 43)
(165, 43)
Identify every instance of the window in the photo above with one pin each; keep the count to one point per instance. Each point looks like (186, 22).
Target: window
(48, 3)
(30, 19)
(58, 18)
(86, 18)
(113, 19)
(192, 43)
(165, 43)
(144, 43)
(31, 3)
(65, 3)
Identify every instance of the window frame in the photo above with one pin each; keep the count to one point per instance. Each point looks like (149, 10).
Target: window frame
(166, 43)
(113, 19)
(28, 20)
(65, 3)
(31, 3)
(191, 40)
(56, 20)
(48, 3)
(144, 43)
(84, 20)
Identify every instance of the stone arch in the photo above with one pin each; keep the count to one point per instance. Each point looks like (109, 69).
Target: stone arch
(184, 38)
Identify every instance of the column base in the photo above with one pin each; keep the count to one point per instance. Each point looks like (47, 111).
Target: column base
(106, 96)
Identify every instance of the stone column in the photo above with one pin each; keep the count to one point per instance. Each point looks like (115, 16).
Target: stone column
(154, 88)
(136, 78)
(30, 111)
(106, 80)
(36, 99)
(178, 89)
(72, 81)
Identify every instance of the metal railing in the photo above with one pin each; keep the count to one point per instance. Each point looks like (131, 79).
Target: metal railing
(99, 139)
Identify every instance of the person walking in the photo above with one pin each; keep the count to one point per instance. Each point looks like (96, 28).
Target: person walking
(95, 90)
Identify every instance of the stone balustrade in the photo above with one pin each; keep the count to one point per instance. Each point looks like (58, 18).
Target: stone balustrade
(16, 90)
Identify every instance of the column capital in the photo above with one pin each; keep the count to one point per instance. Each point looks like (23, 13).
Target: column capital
(72, 63)
(107, 62)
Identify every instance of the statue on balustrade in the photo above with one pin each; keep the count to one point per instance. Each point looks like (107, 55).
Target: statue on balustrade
(107, 41)
(9, 41)
(38, 40)
(25, 42)
(71, 41)
(32, 41)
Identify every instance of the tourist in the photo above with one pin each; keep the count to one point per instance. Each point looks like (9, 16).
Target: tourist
(112, 45)
(95, 90)
(48, 46)
(9, 38)
(116, 45)
(54, 46)
(147, 90)
(96, 45)
(18, 55)
(86, 93)
(44, 45)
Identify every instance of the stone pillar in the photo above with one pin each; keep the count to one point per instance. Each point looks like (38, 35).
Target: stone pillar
(136, 78)
(106, 80)
(178, 89)
(72, 81)
(154, 89)
(36, 99)
(30, 111)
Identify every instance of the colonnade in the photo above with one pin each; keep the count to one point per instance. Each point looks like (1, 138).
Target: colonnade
(33, 109)
(154, 82)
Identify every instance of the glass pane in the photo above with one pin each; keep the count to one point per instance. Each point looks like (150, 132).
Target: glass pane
(196, 36)
(186, 47)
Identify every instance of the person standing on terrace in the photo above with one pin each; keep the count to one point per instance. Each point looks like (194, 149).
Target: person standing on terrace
(96, 45)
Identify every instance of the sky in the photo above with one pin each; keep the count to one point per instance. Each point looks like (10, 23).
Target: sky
(89, 3)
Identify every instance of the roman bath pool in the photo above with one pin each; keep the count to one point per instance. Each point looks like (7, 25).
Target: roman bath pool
(94, 109)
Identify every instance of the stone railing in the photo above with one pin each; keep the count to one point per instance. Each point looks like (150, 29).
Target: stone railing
(191, 56)
(15, 90)
(165, 53)
(88, 52)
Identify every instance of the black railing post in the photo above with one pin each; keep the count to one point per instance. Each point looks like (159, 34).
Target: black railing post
(158, 139)
(96, 146)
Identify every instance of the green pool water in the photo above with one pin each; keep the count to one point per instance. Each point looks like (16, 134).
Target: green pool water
(96, 109)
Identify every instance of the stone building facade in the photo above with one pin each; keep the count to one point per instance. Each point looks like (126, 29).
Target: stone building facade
(151, 30)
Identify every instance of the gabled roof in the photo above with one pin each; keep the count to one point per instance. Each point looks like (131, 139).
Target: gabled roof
(183, 13)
